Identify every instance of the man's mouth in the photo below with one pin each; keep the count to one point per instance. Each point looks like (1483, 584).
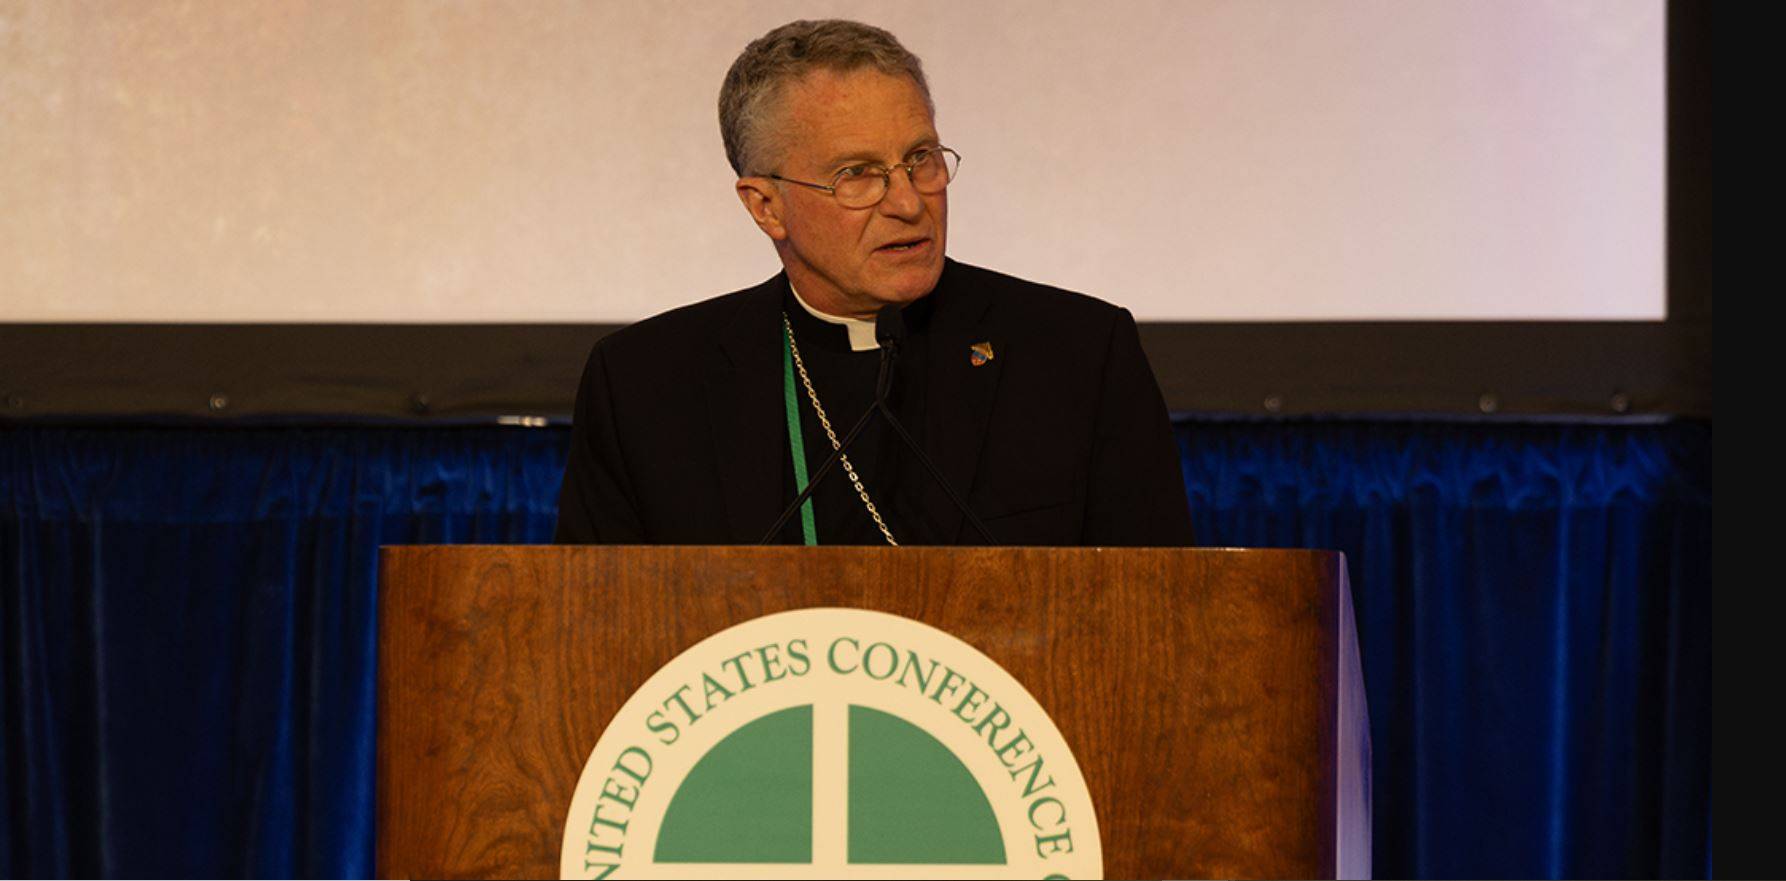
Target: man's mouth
(904, 245)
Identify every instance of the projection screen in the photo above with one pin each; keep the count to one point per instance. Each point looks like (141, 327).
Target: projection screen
(527, 162)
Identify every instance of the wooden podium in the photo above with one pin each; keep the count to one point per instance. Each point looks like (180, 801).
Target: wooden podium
(1212, 698)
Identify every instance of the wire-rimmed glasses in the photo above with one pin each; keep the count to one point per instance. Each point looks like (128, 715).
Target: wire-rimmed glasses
(863, 186)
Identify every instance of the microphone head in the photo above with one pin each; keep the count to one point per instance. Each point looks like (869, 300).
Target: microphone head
(889, 326)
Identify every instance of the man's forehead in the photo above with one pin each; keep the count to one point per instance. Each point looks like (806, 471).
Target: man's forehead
(862, 113)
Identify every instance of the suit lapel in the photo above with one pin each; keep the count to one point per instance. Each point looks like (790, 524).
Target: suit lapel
(959, 395)
(744, 406)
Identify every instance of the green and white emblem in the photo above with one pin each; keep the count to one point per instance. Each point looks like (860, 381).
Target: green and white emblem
(831, 742)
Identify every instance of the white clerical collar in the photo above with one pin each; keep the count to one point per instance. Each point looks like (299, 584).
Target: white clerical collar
(861, 329)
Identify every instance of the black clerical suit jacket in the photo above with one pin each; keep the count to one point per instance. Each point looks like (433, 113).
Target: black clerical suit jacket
(1061, 438)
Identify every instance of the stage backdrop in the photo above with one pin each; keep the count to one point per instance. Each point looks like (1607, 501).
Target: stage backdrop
(542, 161)
(187, 630)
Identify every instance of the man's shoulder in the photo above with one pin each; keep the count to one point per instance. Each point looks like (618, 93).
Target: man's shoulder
(1024, 303)
(1019, 305)
(687, 326)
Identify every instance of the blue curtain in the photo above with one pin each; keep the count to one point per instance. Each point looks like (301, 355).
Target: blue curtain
(1534, 615)
(187, 630)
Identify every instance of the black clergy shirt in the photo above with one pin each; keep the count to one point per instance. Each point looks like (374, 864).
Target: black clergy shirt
(845, 381)
(1060, 438)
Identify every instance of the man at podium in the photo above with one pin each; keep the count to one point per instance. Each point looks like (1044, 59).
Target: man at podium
(991, 409)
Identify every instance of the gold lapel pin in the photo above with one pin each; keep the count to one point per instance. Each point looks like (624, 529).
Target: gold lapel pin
(979, 353)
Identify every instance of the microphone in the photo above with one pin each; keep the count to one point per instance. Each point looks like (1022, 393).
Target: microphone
(889, 333)
(889, 327)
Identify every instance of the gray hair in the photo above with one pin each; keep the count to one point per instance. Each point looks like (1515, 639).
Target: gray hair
(748, 102)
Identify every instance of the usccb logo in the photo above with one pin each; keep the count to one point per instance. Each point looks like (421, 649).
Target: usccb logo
(831, 742)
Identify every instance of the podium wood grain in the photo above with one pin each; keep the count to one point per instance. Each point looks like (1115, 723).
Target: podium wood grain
(1195, 687)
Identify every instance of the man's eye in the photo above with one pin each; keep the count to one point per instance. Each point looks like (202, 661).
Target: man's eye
(918, 158)
(854, 171)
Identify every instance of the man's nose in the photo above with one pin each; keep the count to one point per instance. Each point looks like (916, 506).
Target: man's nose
(902, 199)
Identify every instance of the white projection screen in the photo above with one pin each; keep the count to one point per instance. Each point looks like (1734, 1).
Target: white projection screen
(527, 161)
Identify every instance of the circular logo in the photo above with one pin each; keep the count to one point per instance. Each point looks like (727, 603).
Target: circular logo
(825, 743)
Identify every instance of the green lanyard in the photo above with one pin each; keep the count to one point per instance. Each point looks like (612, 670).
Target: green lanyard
(796, 443)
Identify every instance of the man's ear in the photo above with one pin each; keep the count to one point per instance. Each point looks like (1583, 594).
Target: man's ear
(763, 199)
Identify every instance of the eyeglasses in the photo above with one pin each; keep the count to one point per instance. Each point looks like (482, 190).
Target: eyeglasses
(864, 186)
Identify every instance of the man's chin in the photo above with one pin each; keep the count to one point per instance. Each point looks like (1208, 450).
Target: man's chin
(910, 286)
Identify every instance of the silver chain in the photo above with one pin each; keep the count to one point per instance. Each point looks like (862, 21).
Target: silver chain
(848, 469)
